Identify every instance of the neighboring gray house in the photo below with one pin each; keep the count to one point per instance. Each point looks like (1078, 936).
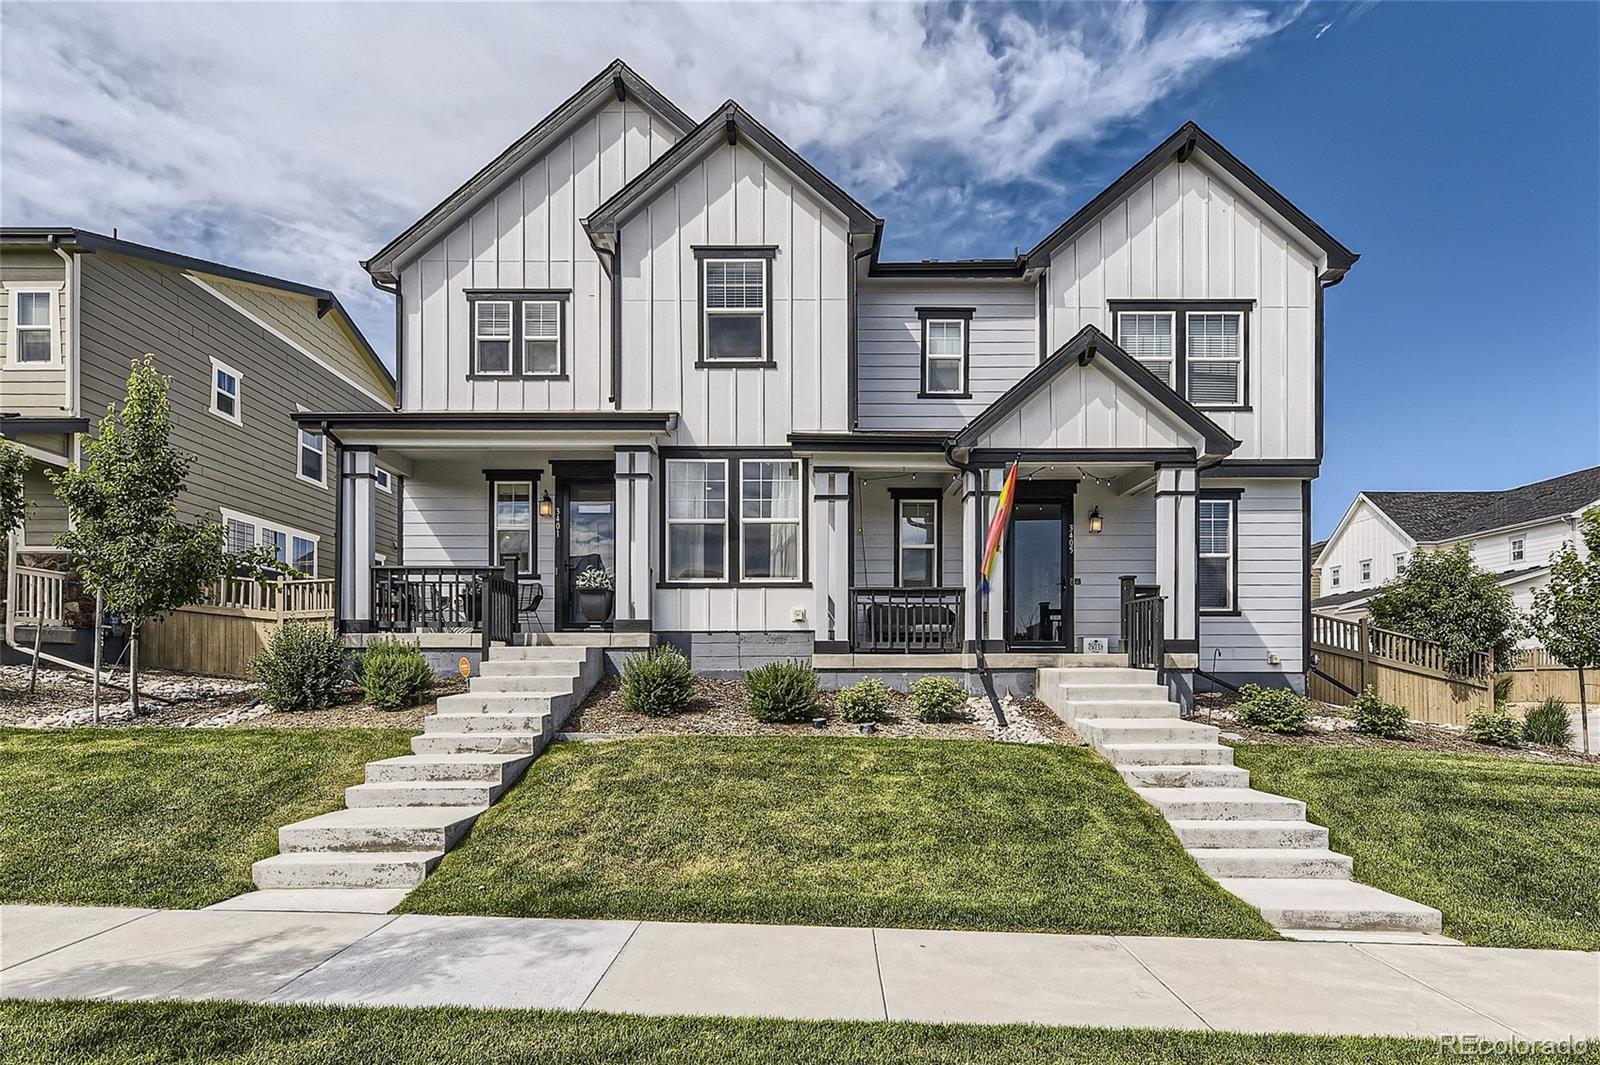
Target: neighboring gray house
(669, 348)
(245, 352)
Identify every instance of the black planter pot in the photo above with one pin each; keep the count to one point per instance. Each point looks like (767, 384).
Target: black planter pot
(596, 606)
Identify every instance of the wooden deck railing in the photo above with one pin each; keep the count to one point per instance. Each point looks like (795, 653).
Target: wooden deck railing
(282, 600)
(1360, 638)
(39, 595)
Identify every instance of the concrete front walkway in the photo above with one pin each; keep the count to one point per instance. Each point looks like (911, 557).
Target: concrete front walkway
(799, 972)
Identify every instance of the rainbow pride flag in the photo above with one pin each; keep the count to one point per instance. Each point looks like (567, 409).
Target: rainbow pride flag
(997, 525)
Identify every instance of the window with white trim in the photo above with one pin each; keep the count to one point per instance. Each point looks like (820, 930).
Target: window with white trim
(491, 337)
(293, 548)
(276, 541)
(1214, 578)
(1148, 337)
(226, 386)
(1518, 549)
(735, 309)
(238, 535)
(1400, 561)
(303, 554)
(1366, 571)
(513, 524)
(380, 477)
(1333, 576)
(1215, 358)
(769, 519)
(313, 455)
(32, 331)
(917, 542)
(944, 356)
(697, 519)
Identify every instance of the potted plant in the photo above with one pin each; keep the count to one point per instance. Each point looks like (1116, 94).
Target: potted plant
(595, 587)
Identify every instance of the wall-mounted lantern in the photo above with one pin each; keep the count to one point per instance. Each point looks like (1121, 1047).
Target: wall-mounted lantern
(547, 506)
(1096, 522)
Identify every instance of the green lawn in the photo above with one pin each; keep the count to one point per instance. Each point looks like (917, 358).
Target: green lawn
(100, 1033)
(163, 817)
(1507, 849)
(803, 830)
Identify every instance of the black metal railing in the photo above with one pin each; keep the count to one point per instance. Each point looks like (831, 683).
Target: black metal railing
(444, 598)
(1144, 633)
(499, 609)
(906, 620)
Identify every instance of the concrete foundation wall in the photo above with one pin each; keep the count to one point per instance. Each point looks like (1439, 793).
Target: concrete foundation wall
(732, 653)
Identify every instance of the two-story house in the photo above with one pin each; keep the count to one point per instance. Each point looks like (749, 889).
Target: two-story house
(1511, 533)
(244, 351)
(670, 349)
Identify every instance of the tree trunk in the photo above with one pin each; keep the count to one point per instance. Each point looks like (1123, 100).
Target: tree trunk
(99, 622)
(133, 668)
(1583, 710)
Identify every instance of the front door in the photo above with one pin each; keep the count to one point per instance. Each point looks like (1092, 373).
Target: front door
(1039, 566)
(586, 538)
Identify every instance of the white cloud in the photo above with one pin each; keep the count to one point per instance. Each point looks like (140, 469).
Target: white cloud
(298, 138)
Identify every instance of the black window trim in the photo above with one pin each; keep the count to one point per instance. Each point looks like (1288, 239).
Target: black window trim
(733, 456)
(516, 297)
(947, 314)
(1233, 497)
(762, 252)
(1180, 311)
(920, 494)
(513, 476)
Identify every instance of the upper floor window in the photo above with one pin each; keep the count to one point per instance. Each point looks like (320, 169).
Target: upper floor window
(1216, 576)
(1333, 576)
(313, 452)
(1366, 571)
(946, 347)
(735, 305)
(518, 333)
(1198, 348)
(31, 329)
(1400, 560)
(225, 397)
(1518, 549)
(917, 541)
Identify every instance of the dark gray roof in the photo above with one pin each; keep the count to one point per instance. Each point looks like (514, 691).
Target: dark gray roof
(1430, 516)
(1316, 550)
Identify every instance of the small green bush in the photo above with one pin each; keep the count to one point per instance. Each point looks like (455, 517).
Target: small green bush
(936, 699)
(1548, 724)
(782, 691)
(1378, 718)
(1494, 727)
(1279, 710)
(866, 701)
(394, 674)
(302, 667)
(658, 683)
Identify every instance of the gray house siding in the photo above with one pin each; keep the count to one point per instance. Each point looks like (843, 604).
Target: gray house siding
(131, 307)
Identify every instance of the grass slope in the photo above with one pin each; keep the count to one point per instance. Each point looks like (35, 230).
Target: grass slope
(803, 830)
(1506, 849)
(163, 817)
(102, 1033)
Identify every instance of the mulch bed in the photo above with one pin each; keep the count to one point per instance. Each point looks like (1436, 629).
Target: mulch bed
(1216, 709)
(720, 707)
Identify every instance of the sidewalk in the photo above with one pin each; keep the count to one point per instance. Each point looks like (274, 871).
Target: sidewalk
(799, 972)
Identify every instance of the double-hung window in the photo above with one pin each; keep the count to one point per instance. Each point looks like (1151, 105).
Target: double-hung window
(518, 333)
(226, 385)
(1148, 337)
(769, 519)
(917, 542)
(513, 524)
(1216, 577)
(1333, 576)
(31, 331)
(1400, 561)
(303, 554)
(292, 548)
(1215, 356)
(238, 534)
(735, 305)
(1366, 571)
(1198, 348)
(697, 520)
(276, 541)
(1518, 549)
(946, 342)
(313, 455)
(491, 337)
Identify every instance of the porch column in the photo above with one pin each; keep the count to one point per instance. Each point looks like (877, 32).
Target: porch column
(1175, 555)
(357, 536)
(971, 556)
(636, 527)
(993, 607)
(832, 500)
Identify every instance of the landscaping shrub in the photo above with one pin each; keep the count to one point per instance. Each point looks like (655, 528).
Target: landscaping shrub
(1378, 718)
(302, 667)
(936, 699)
(1279, 710)
(394, 674)
(658, 683)
(782, 691)
(1548, 724)
(866, 701)
(1494, 727)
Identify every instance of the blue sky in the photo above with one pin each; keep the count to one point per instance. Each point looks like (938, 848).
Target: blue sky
(1453, 145)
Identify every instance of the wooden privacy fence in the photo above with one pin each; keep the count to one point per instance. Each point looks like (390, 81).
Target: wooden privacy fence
(221, 635)
(1535, 677)
(1406, 671)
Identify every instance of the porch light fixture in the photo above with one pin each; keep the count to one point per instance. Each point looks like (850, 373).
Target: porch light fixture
(1096, 522)
(547, 506)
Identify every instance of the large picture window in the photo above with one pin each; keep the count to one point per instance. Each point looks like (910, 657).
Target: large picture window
(735, 305)
(769, 519)
(734, 519)
(917, 542)
(697, 520)
(1216, 576)
(291, 548)
(1199, 348)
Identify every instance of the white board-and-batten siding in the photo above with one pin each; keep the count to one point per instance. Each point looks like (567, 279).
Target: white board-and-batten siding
(736, 196)
(1366, 535)
(528, 236)
(1188, 233)
(1088, 407)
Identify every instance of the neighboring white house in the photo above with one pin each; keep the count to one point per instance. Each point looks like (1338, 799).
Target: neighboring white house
(1511, 534)
(668, 347)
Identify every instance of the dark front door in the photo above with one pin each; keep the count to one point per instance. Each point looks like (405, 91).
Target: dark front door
(1039, 566)
(586, 538)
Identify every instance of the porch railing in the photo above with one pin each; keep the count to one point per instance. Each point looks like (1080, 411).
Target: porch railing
(499, 609)
(311, 598)
(906, 620)
(447, 598)
(40, 596)
(1143, 627)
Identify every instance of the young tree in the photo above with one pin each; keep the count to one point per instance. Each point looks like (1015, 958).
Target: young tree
(1566, 612)
(13, 463)
(127, 541)
(1443, 597)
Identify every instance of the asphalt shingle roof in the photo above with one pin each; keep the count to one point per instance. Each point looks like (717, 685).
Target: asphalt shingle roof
(1431, 516)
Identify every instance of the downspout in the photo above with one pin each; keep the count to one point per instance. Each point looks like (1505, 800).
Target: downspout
(338, 528)
(979, 612)
(399, 339)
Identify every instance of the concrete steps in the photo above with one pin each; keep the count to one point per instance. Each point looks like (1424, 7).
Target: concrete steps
(1256, 845)
(413, 808)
